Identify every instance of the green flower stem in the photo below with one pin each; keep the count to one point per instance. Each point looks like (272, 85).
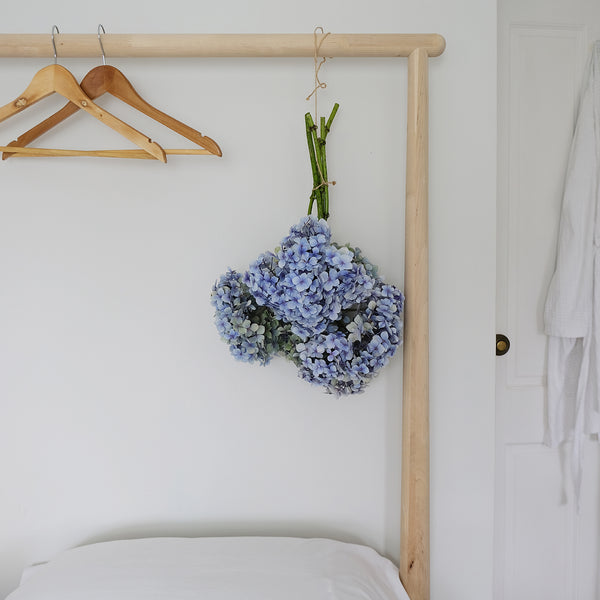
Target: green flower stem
(330, 120)
(323, 164)
(321, 177)
(312, 152)
(318, 161)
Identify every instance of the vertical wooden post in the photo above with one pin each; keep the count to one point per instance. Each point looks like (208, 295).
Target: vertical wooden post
(414, 540)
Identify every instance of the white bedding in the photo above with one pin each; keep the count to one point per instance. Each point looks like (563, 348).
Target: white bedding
(230, 568)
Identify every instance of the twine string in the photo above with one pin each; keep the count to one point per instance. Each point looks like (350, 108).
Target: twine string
(319, 85)
(318, 65)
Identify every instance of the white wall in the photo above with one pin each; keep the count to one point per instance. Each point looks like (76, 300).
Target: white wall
(122, 414)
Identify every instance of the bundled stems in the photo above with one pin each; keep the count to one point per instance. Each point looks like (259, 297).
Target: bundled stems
(316, 140)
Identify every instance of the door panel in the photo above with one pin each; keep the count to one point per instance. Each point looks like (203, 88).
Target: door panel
(543, 549)
(540, 128)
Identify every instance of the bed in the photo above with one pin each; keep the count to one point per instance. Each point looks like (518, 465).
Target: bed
(228, 568)
(223, 568)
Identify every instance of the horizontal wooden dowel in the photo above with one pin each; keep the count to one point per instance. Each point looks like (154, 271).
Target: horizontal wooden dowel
(70, 45)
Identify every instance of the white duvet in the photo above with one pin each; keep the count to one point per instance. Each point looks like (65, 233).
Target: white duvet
(233, 568)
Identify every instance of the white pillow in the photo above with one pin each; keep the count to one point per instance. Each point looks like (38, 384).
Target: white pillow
(230, 568)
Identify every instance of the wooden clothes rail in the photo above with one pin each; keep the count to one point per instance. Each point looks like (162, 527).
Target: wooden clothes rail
(70, 45)
(414, 557)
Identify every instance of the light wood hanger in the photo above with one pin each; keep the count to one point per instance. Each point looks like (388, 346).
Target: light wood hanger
(106, 78)
(57, 79)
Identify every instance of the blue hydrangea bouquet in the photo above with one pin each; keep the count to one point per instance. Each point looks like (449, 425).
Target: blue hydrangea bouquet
(317, 303)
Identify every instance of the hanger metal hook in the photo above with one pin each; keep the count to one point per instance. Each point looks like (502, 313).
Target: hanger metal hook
(100, 42)
(54, 28)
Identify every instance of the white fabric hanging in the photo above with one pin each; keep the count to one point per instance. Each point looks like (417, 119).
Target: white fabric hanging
(572, 311)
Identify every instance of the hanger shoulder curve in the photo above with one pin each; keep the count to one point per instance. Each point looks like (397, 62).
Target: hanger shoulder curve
(39, 87)
(120, 87)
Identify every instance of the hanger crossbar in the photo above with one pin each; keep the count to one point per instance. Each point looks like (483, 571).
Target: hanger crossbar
(70, 45)
(127, 153)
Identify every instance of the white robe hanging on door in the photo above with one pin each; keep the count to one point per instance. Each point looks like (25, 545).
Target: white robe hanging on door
(572, 311)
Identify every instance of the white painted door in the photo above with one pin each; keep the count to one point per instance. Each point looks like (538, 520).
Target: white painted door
(543, 549)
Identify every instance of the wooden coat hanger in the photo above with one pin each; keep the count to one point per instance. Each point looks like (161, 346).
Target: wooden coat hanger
(56, 78)
(106, 78)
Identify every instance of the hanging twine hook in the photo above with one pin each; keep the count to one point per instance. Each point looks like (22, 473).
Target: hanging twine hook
(319, 85)
(318, 65)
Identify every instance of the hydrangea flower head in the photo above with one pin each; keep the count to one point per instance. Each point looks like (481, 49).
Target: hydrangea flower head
(249, 330)
(310, 280)
(319, 304)
(357, 346)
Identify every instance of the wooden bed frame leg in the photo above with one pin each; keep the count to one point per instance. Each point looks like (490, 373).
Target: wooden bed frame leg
(414, 540)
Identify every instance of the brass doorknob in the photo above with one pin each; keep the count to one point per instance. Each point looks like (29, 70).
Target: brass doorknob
(502, 344)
